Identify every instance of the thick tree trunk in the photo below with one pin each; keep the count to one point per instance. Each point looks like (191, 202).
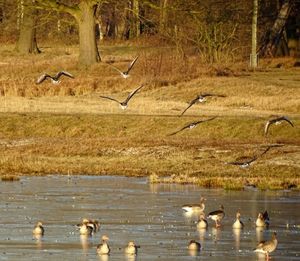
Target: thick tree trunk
(27, 36)
(274, 35)
(88, 51)
(135, 24)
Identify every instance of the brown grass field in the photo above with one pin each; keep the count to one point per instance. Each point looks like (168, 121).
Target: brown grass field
(68, 129)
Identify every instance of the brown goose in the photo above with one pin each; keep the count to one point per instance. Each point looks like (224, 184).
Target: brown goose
(103, 248)
(238, 224)
(262, 220)
(55, 78)
(200, 98)
(194, 246)
(195, 207)
(38, 229)
(277, 121)
(217, 215)
(191, 125)
(124, 104)
(267, 247)
(202, 223)
(125, 74)
(131, 248)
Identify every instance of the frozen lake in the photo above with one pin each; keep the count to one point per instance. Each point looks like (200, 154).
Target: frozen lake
(132, 209)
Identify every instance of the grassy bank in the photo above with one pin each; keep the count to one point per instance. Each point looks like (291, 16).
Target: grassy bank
(68, 129)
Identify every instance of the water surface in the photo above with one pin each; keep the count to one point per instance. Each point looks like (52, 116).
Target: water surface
(132, 209)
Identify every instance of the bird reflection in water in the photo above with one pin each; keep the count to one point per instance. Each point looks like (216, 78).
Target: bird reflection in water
(85, 243)
(103, 257)
(38, 241)
(237, 237)
(216, 234)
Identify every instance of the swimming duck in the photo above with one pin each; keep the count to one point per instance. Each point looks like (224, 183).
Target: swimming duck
(195, 207)
(131, 248)
(123, 104)
(262, 220)
(103, 248)
(217, 215)
(238, 224)
(267, 247)
(202, 223)
(38, 229)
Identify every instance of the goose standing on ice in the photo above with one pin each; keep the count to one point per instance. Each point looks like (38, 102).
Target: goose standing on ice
(55, 78)
(194, 208)
(131, 248)
(217, 216)
(238, 224)
(103, 248)
(38, 229)
(267, 247)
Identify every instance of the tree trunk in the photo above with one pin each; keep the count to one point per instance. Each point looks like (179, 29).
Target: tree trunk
(27, 36)
(134, 19)
(88, 51)
(253, 57)
(274, 35)
(163, 16)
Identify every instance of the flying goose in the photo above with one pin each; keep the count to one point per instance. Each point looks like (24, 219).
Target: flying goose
(103, 248)
(276, 121)
(195, 207)
(267, 247)
(55, 78)
(200, 98)
(191, 125)
(131, 248)
(38, 229)
(245, 162)
(125, 74)
(124, 103)
(238, 224)
(217, 215)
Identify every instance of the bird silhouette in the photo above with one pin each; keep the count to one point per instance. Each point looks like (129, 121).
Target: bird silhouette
(200, 98)
(276, 121)
(55, 78)
(125, 74)
(245, 162)
(191, 125)
(123, 104)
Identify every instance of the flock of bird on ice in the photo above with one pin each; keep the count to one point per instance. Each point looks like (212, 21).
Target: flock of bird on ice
(89, 227)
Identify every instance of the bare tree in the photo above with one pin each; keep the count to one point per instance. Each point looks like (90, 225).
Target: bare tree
(84, 14)
(253, 57)
(27, 32)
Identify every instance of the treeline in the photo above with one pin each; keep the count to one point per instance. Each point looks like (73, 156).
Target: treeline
(216, 30)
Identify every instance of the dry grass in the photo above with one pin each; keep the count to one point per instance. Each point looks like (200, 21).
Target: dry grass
(68, 129)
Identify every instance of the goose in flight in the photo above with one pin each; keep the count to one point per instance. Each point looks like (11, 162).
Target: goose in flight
(200, 98)
(125, 74)
(55, 78)
(191, 125)
(245, 162)
(124, 103)
(276, 121)
(267, 247)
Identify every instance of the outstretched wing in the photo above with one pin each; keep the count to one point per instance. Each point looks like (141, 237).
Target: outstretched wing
(133, 93)
(265, 151)
(190, 105)
(42, 78)
(109, 98)
(267, 126)
(183, 128)
(114, 67)
(284, 118)
(131, 64)
(59, 74)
